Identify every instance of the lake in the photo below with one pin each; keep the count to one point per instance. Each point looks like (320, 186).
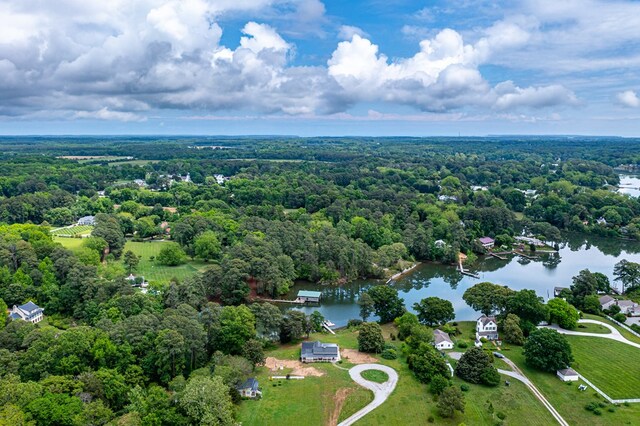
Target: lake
(339, 304)
(630, 185)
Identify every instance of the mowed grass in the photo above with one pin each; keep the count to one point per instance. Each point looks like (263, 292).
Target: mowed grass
(624, 332)
(586, 327)
(69, 243)
(132, 162)
(612, 366)
(152, 270)
(569, 401)
(375, 376)
(73, 230)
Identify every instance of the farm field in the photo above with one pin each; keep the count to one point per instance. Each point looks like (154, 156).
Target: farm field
(610, 365)
(152, 271)
(72, 231)
(569, 401)
(131, 162)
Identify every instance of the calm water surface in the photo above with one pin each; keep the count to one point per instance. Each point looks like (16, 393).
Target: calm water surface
(339, 304)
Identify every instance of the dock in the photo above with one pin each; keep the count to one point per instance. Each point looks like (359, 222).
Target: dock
(497, 256)
(467, 273)
(327, 325)
(526, 256)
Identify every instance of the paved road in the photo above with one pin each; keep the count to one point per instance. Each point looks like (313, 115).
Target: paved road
(614, 335)
(519, 375)
(381, 391)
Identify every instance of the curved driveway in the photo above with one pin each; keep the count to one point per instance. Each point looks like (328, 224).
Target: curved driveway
(381, 391)
(614, 335)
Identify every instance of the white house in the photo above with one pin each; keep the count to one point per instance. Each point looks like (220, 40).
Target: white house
(601, 221)
(319, 352)
(487, 242)
(249, 389)
(627, 307)
(487, 327)
(87, 220)
(27, 312)
(440, 244)
(441, 340)
(568, 375)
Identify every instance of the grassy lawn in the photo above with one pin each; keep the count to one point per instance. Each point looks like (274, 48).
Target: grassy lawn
(569, 401)
(132, 162)
(153, 271)
(72, 231)
(69, 243)
(592, 328)
(610, 365)
(375, 376)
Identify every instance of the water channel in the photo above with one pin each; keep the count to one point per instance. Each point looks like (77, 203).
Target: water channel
(577, 252)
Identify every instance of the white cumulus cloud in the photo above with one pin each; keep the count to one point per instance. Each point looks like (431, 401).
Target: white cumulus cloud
(628, 98)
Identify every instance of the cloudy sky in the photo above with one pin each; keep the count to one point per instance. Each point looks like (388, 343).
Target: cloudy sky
(314, 67)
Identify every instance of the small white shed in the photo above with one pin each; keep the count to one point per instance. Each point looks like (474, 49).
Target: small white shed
(568, 375)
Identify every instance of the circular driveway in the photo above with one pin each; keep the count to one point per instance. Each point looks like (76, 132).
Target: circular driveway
(381, 391)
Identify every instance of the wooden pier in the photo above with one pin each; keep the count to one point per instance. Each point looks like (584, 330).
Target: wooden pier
(467, 273)
(497, 256)
(526, 256)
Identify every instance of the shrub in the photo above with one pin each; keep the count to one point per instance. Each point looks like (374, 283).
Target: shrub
(354, 323)
(389, 354)
(455, 323)
(597, 412)
(626, 404)
(464, 387)
(602, 404)
(612, 410)
(501, 415)
(463, 345)
(390, 346)
(438, 384)
(431, 419)
(620, 317)
(591, 406)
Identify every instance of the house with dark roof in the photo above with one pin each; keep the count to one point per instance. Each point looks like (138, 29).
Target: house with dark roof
(249, 389)
(487, 327)
(319, 352)
(27, 312)
(441, 340)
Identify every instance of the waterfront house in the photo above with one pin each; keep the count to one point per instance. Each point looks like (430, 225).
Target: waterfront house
(305, 296)
(487, 327)
(319, 352)
(487, 242)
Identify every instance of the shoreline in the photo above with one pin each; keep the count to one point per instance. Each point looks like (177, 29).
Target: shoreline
(403, 272)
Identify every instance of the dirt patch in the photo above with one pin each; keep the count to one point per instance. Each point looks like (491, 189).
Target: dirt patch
(357, 357)
(338, 403)
(299, 369)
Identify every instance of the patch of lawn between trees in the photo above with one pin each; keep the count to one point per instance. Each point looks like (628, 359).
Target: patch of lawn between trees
(375, 376)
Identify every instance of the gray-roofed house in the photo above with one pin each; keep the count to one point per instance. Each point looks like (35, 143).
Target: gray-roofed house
(27, 312)
(441, 340)
(305, 296)
(487, 327)
(606, 302)
(87, 220)
(568, 375)
(249, 389)
(627, 307)
(319, 352)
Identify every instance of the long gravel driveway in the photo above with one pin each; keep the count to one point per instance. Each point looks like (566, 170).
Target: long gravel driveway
(381, 391)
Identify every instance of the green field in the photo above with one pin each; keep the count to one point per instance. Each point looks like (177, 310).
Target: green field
(375, 376)
(592, 328)
(570, 402)
(69, 243)
(624, 332)
(132, 162)
(612, 366)
(73, 231)
(152, 271)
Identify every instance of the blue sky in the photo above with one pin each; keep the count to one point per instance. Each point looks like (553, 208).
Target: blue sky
(313, 67)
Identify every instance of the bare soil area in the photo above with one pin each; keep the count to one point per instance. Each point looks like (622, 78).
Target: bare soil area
(299, 369)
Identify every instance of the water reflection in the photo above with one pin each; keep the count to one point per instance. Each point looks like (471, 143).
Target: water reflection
(541, 274)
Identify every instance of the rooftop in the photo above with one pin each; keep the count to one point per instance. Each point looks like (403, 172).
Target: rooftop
(319, 349)
(568, 372)
(440, 336)
(306, 293)
(250, 383)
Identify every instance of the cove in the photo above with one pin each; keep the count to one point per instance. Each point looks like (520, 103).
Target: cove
(577, 252)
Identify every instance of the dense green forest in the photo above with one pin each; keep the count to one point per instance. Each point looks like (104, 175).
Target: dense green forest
(255, 214)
